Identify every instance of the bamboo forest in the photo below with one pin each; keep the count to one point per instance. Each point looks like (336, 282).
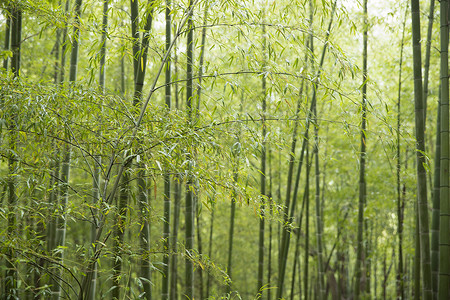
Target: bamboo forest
(224, 149)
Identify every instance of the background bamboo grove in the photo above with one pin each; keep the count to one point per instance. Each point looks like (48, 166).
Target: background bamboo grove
(193, 149)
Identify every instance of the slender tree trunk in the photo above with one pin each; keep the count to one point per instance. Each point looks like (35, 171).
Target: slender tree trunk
(64, 47)
(7, 38)
(53, 197)
(129, 159)
(263, 176)
(199, 242)
(90, 293)
(444, 226)
(236, 156)
(144, 236)
(60, 233)
(270, 250)
(287, 218)
(271, 205)
(134, 14)
(436, 208)
(320, 266)
(400, 274)
(427, 60)
(56, 53)
(231, 232)
(10, 280)
(420, 154)
(367, 255)
(101, 80)
(140, 52)
(196, 120)
(167, 187)
(291, 207)
(176, 213)
(16, 37)
(360, 261)
(306, 264)
(176, 218)
(298, 238)
(211, 230)
(140, 57)
(119, 234)
(417, 286)
(190, 210)
(75, 43)
(202, 58)
(65, 171)
(386, 272)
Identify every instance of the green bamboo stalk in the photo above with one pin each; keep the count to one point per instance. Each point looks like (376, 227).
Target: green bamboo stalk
(417, 286)
(231, 234)
(190, 210)
(119, 234)
(420, 154)
(306, 255)
(134, 14)
(444, 224)
(144, 236)
(436, 208)
(427, 60)
(176, 219)
(368, 230)
(271, 206)
(291, 169)
(321, 285)
(166, 196)
(56, 53)
(128, 159)
(140, 52)
(53, 196)
(196, 120)
(7, 37)
(298, 238)
(75, 43)
(140, 57)
(260, 280)
(291, 207)
(65, 168)
(211, 234)
(103, 45)
(10, 280)
(90, 292)
(92, 274)
(360, 261)
(236, 149)
(284, 243)
(16, 34)
(202, 58)
(64, 46)
(270, 250)
(60, 234)
(400, 273)
(176, 212)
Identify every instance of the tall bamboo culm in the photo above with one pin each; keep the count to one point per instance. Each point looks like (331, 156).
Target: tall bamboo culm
(167, 186)
(444, 226)
(261, 251)
(400, 202)
(420, 165)
(190, 209)
(10, 280)
(359, 277)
